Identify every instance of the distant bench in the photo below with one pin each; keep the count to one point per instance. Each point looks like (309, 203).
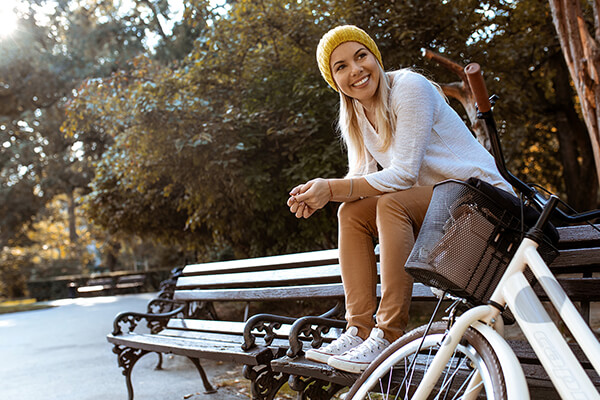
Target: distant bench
(271, 347)
(111, 285)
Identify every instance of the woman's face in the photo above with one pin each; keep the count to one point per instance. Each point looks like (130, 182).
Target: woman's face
(356, 71)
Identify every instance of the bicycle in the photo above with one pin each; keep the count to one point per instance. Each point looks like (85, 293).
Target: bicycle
(466, 357)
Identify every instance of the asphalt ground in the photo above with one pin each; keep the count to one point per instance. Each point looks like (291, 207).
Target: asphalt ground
(61, 353)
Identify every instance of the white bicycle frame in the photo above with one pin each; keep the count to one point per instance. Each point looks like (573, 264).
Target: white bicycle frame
(566, 373)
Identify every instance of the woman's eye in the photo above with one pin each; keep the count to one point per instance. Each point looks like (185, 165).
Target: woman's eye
(340, 67)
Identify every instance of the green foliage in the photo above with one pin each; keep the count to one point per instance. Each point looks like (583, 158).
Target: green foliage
(205, 152)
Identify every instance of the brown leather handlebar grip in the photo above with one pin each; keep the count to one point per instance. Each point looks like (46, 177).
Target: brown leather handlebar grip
(478, 88)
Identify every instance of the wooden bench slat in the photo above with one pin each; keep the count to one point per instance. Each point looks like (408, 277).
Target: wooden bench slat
(578, 289)
(576, 259)
(318, 274)
(212, 329)
(580, 234)
(303, 367)
(305, 259)
(202, 325)
(334, 290)
(280, 341)
(224, 350)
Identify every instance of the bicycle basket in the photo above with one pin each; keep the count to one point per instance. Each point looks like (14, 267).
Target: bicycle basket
(466, 242)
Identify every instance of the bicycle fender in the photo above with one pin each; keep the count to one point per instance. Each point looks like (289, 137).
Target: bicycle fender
(514, 377)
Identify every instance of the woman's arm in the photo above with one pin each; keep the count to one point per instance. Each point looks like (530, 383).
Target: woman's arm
(414, 101)
(315, 194)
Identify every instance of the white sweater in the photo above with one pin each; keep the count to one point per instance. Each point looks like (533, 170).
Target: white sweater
(431, 143)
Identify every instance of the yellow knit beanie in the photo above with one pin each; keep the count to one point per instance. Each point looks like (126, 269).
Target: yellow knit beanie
(337, 36)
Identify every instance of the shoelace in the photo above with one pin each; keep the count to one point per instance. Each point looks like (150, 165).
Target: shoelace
(341, 341)
(371, 344)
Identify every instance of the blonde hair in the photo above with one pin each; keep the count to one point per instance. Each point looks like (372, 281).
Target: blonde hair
(385, 121)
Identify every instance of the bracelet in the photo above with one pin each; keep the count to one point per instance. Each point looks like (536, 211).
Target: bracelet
(351, 188)
(330, 191)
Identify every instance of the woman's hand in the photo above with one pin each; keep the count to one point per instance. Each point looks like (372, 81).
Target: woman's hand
(307, 198)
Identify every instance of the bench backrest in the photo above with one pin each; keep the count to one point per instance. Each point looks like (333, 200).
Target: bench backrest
(292, 277)
(317, 274)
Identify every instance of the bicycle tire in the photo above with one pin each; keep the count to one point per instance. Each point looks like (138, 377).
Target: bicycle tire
(473, 353)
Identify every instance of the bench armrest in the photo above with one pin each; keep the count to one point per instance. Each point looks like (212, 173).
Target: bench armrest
(263, 322)
(162, 305)
(303, 327)
(156, 322)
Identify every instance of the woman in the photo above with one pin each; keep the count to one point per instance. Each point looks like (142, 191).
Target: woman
(402, 138)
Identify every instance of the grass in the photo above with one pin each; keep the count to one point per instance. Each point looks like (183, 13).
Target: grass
(13, 306)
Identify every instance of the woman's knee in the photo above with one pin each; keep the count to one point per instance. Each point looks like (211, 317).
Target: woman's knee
(345, 210)
(405, 201)
(355, 210)
(408, 206)
(391, 203)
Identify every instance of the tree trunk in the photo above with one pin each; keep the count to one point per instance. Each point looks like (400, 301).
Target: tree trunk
(582, 56)
(111, 254)
(575, 149)
(72, 218)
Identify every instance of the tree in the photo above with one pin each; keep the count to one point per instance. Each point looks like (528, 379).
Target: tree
(582, 55)
(40, 65)
(217, 139)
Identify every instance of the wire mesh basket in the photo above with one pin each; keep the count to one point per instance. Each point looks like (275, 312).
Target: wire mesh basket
(468, 238)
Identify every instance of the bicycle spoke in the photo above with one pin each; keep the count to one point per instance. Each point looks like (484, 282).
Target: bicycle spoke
(466, 382)
(461, 387)
(448, 382)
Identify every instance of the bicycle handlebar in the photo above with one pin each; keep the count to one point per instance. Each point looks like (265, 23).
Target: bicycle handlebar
(477, 84)
(478, 88)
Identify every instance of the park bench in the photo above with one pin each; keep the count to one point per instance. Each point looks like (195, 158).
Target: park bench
(111, 285)
(96, 286)
(189, 325)
(130, 283)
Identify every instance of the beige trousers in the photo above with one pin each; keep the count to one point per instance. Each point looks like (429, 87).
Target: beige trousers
(395, 218)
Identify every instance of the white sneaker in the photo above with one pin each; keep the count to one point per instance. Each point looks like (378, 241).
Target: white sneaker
(358, 359)
(345, 342)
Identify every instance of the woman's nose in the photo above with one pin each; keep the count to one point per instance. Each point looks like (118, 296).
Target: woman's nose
(356, 69)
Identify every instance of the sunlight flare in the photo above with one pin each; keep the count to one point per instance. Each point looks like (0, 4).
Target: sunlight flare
(8, 18)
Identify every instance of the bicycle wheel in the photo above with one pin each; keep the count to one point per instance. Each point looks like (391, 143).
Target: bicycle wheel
(390, 376)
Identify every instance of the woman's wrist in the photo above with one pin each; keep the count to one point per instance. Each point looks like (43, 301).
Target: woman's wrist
(341, 189)
(330, 190)
(350, 189)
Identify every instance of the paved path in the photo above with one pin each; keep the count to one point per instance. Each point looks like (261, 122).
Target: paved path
(61, 353)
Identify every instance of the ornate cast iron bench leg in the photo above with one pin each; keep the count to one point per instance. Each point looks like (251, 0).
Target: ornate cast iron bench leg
(208, 388)
(264, 382)
(127, 357)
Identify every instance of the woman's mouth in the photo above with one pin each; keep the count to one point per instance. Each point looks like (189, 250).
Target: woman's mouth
(361, 82)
